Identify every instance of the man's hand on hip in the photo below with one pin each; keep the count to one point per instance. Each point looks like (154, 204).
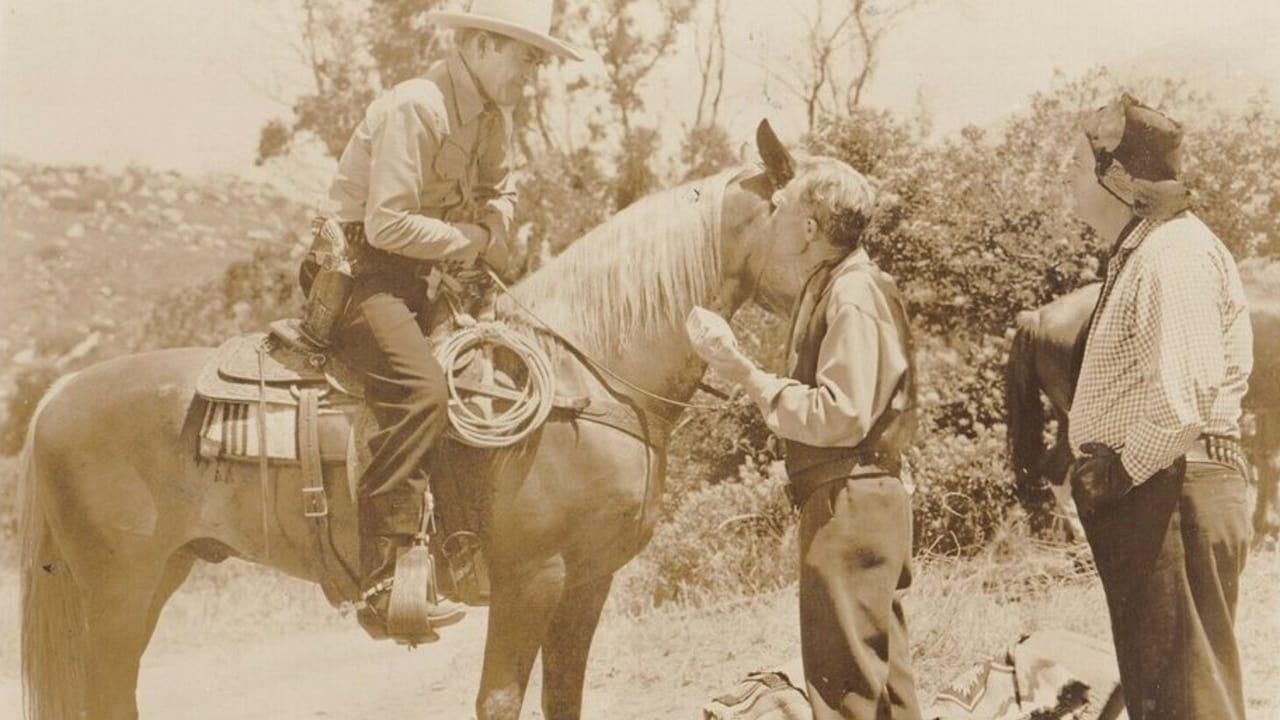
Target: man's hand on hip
(1098, 479)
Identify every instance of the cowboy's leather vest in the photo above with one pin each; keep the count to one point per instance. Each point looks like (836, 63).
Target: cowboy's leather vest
(891, 433)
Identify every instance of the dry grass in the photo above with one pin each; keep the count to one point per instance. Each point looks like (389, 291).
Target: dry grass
(960, 612)
(668, 661)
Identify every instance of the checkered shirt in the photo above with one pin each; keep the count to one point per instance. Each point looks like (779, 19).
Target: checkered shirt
(1170, 350)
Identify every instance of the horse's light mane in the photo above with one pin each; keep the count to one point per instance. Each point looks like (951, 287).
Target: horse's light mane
(626, 279)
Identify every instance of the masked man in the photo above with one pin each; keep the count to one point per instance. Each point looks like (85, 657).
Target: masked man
(426, 179)
(1159, 478)
(845, 414)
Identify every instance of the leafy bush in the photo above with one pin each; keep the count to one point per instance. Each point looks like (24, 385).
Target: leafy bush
(722, 540)
(963, 490)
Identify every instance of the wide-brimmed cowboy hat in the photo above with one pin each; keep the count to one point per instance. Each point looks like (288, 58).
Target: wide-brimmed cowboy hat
(528, 21)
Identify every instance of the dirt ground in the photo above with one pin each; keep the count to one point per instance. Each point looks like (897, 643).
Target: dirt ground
(241, 646)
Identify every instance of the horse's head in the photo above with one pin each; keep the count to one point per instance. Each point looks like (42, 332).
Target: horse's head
(797, 212)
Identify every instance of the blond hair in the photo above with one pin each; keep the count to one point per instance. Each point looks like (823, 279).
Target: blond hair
(842, 200)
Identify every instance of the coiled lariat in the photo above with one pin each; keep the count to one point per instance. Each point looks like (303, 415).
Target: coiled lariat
(529, 405)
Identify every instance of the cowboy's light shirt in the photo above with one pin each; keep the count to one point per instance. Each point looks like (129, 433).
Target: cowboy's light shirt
(429, 146)
(860, 361)
(1169, 354)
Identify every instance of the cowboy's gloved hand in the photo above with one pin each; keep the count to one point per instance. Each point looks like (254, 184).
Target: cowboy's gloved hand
(1098, 479)
(714, 341)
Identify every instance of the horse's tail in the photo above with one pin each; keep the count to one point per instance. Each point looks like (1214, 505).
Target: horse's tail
(52, 617)
(1024, 413)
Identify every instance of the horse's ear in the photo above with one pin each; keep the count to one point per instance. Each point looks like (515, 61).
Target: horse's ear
(778, 163)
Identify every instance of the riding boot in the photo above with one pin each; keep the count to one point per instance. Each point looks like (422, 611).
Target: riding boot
(389, 527)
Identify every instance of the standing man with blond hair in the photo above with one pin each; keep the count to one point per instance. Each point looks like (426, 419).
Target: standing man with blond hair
(426, 179)
(845, 414)
(1159, 478)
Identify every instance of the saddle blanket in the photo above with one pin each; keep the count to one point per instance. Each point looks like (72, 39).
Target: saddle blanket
(230, 431)
(1047, 675)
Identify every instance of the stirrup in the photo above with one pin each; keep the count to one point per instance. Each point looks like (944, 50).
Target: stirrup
(415, 610)
(468, 567)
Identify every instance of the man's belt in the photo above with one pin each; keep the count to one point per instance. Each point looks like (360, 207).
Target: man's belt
(367, 259)
(801, 484)
(1222, 449)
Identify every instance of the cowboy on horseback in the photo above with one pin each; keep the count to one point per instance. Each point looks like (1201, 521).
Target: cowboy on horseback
(426, 180)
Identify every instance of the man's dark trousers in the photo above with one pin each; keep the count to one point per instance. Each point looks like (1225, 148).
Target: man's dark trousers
(1170, 553)
(405, 387)
(855, 554)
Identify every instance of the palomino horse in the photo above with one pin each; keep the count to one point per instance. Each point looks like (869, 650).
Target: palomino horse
(1045, 356)
(117, 507)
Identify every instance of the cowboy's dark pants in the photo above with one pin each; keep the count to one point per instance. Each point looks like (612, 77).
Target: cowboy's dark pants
(1170, 553)
(855, 554)
(382, 334)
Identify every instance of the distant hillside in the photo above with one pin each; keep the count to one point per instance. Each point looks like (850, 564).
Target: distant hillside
(85, 253)
(1232, 63)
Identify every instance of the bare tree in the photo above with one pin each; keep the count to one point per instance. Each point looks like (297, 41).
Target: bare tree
(872, 21)
(820, 78)
(631, 39)
(711, 68)
(353, 51)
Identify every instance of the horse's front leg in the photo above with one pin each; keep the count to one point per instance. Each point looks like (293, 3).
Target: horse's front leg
(520, 609)
(564, 653)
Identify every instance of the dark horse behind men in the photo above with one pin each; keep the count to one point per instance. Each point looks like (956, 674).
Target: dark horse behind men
(117, 506)
(1047, 347)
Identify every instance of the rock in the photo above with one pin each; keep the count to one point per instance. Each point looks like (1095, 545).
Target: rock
(191, 197)
(260, 235)
(173, 216)
(69, 177)
(167, 195)
(37, 202)
(76, 231)
(122, 207)
(70, 201)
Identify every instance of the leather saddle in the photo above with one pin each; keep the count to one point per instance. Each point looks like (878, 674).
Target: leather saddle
(259, 366)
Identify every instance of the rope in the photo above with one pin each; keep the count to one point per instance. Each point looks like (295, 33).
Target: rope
(594, 362)
(526, 413)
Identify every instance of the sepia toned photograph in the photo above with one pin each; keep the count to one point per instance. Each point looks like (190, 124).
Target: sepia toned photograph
(639, 360)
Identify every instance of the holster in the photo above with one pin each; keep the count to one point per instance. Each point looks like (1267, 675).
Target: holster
(326, 279)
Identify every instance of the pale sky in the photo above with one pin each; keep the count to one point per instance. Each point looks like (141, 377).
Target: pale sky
(186, 84)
